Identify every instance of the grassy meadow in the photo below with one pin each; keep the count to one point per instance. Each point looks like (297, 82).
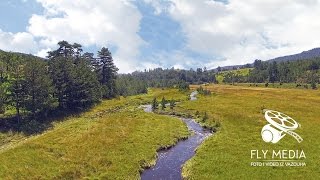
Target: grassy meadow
(226, 155)
(242, 72)
(114, 140)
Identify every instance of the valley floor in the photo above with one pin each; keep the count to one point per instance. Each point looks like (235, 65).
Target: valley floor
(115, 140)
(226, 155)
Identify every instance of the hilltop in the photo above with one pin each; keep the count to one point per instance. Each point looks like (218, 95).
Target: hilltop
(310, 54)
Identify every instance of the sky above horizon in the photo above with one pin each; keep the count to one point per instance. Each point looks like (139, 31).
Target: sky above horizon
(145, 34)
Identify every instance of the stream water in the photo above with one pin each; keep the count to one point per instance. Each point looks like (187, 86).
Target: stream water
(170, 161)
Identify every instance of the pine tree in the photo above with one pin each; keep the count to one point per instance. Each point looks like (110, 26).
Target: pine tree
(62, 73)
(163, 103)
(108, 73)
(85, 89)
(4, 95)
(94, 63)
(4, 85)
(65, 50)
(18, 87)
(38, 87)
(154, 104)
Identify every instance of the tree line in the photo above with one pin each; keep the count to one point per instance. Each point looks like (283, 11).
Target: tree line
(299, 72)
(68, 80)
(174, 77)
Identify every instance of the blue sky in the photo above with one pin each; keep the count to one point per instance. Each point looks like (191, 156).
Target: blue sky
(15, 14)
(163, 33)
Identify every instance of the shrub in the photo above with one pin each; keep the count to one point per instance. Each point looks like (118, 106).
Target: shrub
(205, 117)
(154, 104)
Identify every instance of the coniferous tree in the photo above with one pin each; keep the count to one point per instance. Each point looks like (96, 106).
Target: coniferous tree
(94, 63)
(4, 96)
(38, 87)
(62, 73)
(85, 88)
(18, 88)
(154, 104)
(163, 103)
(74, 77)
(4, 85)
(273, 72)
(108, 73)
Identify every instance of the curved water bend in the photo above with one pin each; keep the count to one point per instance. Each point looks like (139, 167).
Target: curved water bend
(170, 161)
(193, 95)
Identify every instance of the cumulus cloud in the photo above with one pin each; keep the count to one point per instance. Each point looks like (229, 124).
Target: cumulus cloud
(235, 32)
(20, 42)
(95, 22)
(241, 31)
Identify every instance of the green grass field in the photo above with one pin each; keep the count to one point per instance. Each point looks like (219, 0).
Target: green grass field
(114, 140)
(243, 72)
(226, 155)
(277, 85)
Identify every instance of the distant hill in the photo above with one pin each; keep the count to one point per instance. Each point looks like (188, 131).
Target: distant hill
(23, 55)
(310, 54)
(313, 53)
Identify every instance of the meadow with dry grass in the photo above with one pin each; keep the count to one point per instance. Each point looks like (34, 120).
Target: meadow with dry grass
(226, 155)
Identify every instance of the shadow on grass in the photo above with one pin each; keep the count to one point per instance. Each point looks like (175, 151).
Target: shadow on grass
(29, 126)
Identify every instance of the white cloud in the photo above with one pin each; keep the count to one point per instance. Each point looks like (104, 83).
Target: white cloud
(95, 22)
(20, 42)
(237, 32)
(241, 31)
(91, 23)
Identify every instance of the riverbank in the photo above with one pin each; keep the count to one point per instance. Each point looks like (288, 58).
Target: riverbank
(170, 161)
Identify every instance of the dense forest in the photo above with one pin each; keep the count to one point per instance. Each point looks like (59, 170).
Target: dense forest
(32, 88)
(299, 72)
(68, 80)
(171, 77)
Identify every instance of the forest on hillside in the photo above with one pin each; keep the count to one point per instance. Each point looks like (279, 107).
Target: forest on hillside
(34, 89)
(301, 72)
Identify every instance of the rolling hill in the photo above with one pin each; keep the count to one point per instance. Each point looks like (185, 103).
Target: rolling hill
(310, 54)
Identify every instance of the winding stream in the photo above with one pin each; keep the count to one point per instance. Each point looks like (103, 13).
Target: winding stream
(170, 161)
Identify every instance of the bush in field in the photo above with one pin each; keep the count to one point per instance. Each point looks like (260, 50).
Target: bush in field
(203, 91)
(172, 104)
(313, 85)
(163, 103)
(183, 86)
(154, 104)
(197, 114)
(205, 117)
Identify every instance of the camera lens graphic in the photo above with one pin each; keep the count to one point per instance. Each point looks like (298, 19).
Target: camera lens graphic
(280, 125)
(267, 136)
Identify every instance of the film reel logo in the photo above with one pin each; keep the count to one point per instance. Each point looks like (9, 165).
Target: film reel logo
(280, 125)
